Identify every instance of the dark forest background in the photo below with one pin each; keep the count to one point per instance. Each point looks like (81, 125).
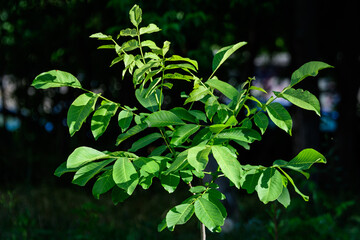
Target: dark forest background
(37, 36)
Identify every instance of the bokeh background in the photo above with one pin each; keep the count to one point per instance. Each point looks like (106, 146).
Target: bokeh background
(40, 35)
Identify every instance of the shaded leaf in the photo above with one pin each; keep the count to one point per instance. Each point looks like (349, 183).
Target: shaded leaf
(124, 119)
(85, 173)
(261, 121)
(144, 141)
(131, 132)
(103, 184)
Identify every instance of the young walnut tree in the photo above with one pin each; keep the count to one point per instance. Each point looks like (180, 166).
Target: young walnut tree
(186, 136)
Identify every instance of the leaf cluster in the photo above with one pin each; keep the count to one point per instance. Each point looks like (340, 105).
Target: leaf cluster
(185, 138)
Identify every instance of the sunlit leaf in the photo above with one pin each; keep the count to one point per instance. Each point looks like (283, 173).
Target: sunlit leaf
(163, 119)
(270, 185)
(228, 163)
(208, 213)
(124, 174)
(306, 70)
(135, 15)
(280, 116)
(55, 78)
(79, 110)
(101, 118)
(151, 28)
(83, 155)
(179, 214)
(182, 133)
(303, 99)
(223, 54)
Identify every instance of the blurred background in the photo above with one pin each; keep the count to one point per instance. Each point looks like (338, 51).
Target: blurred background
(41, 35)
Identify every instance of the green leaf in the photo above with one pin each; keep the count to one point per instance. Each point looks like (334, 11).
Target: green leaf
(198, 157)
(250, 180)
(197, 94)
(306, 70)
(199, 115)
(284, 197)
(208, 213)
(116, 60)
(79, 110)
(163, 119)
(197, 189)
(303, 161)
(240, 134)
(118, 195)
(179, 215)
(186, 176)
(101, 36)
(303, 99)
(306, 198)
(107, 46)
(152, 45)
(83, 155)
(225, 88)
(63, 169)
(223, 54)
(125, 175)
(150, 101)
(101, 118)
(183, 114)
(141, 72)
(144, 141)
(131, 132)
(128, 32)
(257, 89)
(151, 28)
(85, 173)
(125, 118)
(55, 78)
(261, 121)
(182, 133)
(211, 106)
(179, 161)
(103, 184)
(280, 116)
(129, 46)
(135, 15)
(178, 76)
(170, 181)
(228, 163)
(176, 58)
(270, 185)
